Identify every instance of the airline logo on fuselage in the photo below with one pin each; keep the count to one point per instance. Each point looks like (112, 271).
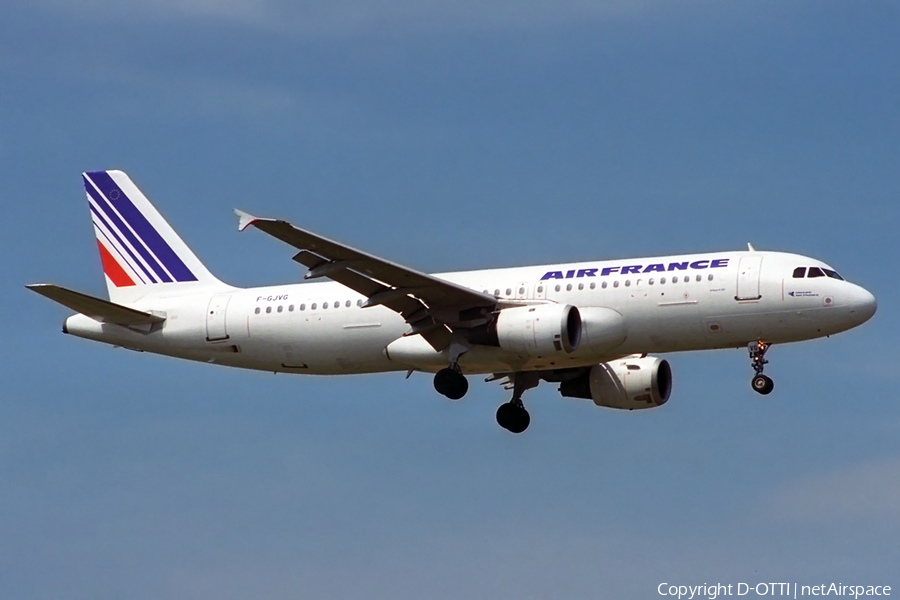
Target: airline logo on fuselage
(716, 263)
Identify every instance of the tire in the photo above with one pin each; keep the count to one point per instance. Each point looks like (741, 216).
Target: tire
(513, 418)
(521, 420)
(762, 385)
(451, 384)
(504, 415)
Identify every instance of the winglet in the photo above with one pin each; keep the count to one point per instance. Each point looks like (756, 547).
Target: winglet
(245, 220)
(750, 247)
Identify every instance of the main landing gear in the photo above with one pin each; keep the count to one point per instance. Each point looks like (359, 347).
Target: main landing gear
(512, 415)
(760, 383)
(451, 382)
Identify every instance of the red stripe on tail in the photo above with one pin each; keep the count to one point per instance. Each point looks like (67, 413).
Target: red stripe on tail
(113, 269)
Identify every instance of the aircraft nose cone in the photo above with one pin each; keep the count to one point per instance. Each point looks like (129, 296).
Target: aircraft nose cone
(862, 304)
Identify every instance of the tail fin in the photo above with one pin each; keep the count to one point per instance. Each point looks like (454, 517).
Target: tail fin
(140, 252)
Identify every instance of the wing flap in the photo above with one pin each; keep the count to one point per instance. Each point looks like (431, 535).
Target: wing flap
(95, 308)
(400, 301)
(428, 303)
(327, 258)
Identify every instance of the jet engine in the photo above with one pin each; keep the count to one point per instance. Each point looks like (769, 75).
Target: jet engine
(540, 330)
(628, 383)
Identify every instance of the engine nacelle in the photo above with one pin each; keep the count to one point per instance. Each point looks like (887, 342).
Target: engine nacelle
(602, 329)
(627, 383)
(539, 330)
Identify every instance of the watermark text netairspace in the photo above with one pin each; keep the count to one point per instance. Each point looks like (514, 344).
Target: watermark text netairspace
(791, 590)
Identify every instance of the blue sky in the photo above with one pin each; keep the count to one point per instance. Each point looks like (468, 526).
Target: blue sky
(447, 136)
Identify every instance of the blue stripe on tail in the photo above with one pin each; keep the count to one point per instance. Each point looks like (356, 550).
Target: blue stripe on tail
(122, 228)
(138, 222)
(118, 239)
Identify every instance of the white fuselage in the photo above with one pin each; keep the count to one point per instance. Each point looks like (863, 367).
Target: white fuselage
(674, 303)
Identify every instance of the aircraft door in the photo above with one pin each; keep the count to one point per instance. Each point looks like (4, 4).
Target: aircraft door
(748, 277)
(215, 318)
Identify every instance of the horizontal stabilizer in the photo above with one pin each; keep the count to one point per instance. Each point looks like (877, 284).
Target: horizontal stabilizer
(95, 308)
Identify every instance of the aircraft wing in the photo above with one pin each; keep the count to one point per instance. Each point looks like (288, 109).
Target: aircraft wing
(95, 308)
(429, 304)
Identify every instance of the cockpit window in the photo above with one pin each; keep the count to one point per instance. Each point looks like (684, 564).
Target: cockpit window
(801, 272)
(815, 272)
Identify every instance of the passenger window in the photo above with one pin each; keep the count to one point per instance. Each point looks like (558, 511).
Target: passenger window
(616, 283)
(359, 302)
(291, 308)
(268, 309)
(569, 288)
(650, 281)
(799, 272)
(662, 280)
(603, 285)
(675, 279)
(521, 291)
(337, 304)
(580, 286)
(815, 272)
(347, 304)
(280, 308)
(497, 293)
(256, 311)
(313, 307)
(302, 307)
(557, 288)
(627, 283)
(699, 277)
(710, 277)
(509, 291)
(593, 285)
(540, 289)
(324, 305)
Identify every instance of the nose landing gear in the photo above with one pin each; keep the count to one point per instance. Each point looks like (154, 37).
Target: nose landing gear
(760, 383)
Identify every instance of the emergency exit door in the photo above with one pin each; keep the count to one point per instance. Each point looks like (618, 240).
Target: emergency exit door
(215, 318)
(748, 277)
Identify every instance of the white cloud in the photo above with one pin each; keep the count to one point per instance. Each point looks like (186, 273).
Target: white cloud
(865, 491)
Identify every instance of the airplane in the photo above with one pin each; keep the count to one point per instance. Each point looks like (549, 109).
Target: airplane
(590, 327)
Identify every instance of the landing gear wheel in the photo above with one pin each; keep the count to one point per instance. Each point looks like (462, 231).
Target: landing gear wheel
(513, 417)
(762, 384)
(503, 415)
(451, 383)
